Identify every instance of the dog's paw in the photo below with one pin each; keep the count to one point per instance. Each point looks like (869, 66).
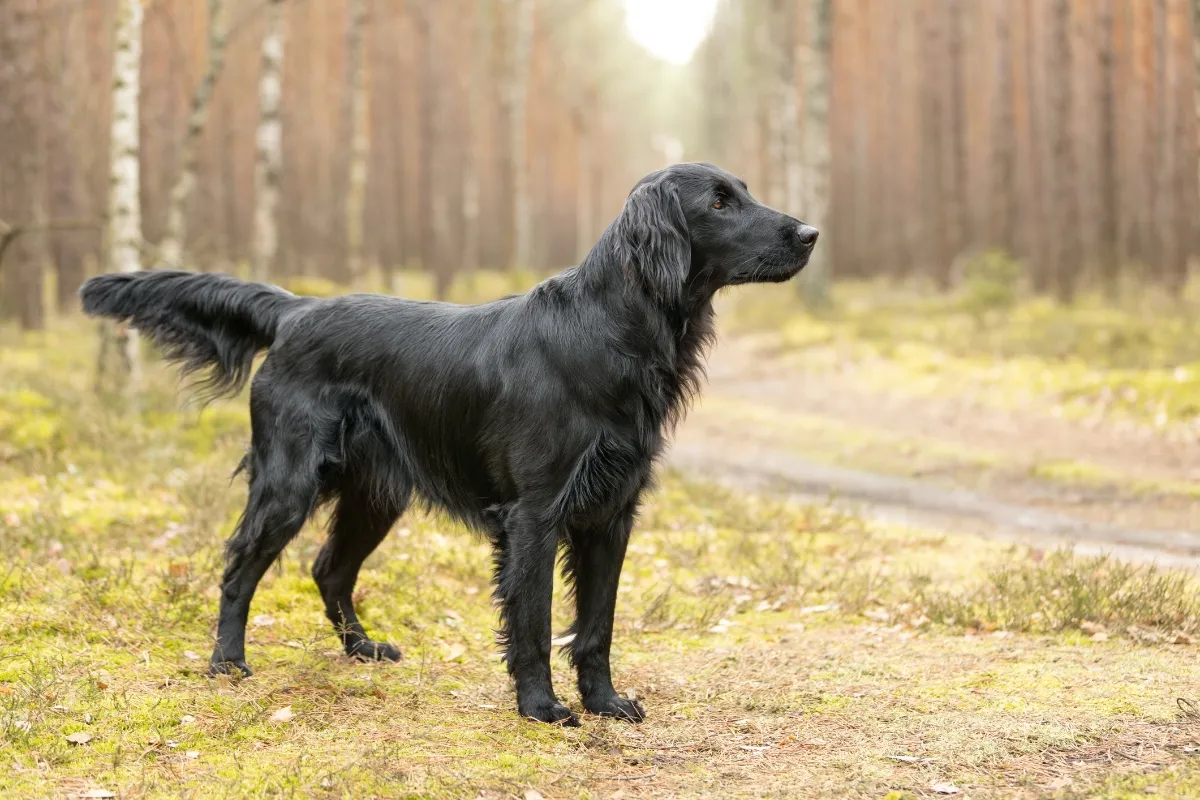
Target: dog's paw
(553, 713)
(236, 668)
(615, 706)
(368, 650)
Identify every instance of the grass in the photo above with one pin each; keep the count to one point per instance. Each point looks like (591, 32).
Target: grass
(781, 650)
(1139, 361)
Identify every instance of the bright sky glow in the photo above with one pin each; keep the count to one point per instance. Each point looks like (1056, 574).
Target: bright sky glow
(670, 29)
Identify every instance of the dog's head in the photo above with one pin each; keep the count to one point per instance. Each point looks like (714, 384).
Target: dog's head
(694, 228)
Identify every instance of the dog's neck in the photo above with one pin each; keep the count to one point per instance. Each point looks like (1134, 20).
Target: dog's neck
(673, 340)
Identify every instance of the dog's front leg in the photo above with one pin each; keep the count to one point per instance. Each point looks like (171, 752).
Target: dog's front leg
(594, 564)
(525, 586)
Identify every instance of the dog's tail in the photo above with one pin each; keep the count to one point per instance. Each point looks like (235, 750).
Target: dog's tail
(200, 320)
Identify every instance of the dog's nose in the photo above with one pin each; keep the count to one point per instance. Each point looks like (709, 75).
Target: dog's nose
(807, 234)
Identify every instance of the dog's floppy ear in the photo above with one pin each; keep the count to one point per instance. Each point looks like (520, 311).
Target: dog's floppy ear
(654, 241)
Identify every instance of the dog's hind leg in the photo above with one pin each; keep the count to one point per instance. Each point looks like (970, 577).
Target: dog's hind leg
(360, 522)
(282, 495)
(524, 586)
(593, 561)
(289, 450)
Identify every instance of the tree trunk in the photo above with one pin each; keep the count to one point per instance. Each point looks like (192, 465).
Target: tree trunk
(1065, 263)
(269, 140)
(356, 184)
(769, 41)
(956, 219)
(521, 26)
(1004, 154)
(1176, 222)
(171, 249)
(816, 146)
(481, 56)
(585, 189)
(433, 210)
(1194, 242)
(124, 237)
(791, 196)
(933, 162)
(1110, 256)
(21, 173)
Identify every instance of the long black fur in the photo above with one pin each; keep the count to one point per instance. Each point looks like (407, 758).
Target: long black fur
(534, 419)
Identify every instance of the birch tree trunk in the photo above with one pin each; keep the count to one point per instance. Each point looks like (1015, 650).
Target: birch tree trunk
(360, 143)
(124, 237)
(269, 156)
(518, 85)
(816, 146)
(171, 249)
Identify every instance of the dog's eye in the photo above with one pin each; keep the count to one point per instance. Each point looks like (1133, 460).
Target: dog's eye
(718, 204)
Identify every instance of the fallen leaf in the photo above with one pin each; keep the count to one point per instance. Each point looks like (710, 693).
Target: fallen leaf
(945, 787)
(192, 754)
(1099, 636)
(186, 719)
(191, 656)
(754, 748)
(534, 794)
(283, 715)
(263, 621)
(90, 793)
(5, 690)
(819, 609)
(454, 652)
(82, 737)
(1182, 638)
(177, 570)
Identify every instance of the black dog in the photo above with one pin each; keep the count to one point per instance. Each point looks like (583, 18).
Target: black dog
(534, 419)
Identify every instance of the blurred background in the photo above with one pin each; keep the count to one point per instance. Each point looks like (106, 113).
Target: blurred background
(358, 141)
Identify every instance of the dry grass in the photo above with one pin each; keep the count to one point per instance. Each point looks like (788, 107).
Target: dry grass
(781, 650)
(1137, 362)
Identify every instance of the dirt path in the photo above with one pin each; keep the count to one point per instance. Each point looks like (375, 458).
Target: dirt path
(947, 462)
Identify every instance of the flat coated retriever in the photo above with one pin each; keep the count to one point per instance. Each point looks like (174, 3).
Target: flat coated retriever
(534, 419)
